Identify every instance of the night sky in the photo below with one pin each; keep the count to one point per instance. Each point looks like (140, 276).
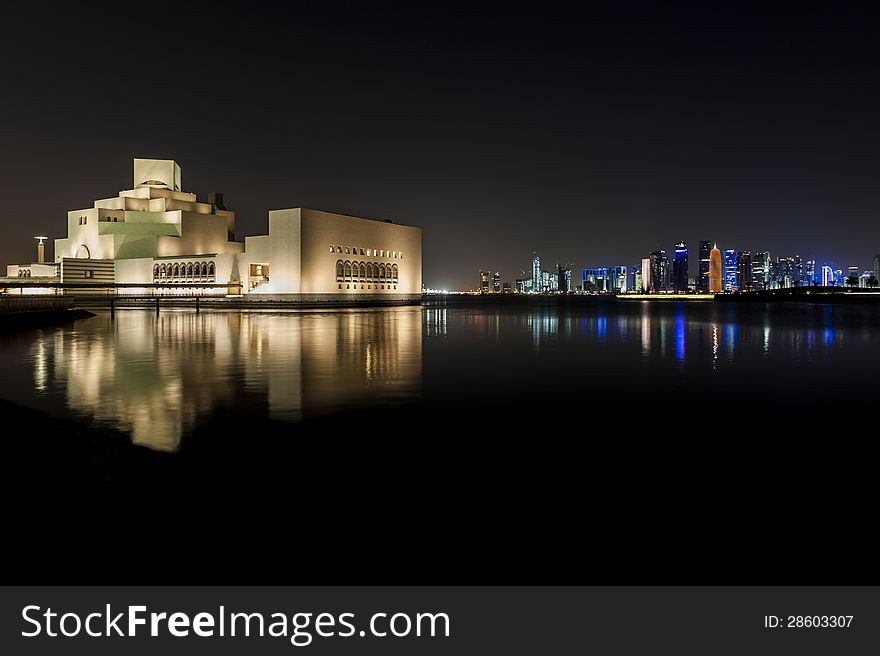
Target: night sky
(590, 135)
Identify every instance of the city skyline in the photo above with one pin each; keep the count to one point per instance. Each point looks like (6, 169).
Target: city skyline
(746, 264)
(587, 134)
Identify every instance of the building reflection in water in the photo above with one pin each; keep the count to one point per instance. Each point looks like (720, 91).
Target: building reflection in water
(157, 376)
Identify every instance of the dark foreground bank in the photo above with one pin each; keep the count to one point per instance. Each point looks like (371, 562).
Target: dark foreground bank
(422, 493)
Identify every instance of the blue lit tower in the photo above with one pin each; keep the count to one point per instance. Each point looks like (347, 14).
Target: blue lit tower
(680, 269)
(731, 264)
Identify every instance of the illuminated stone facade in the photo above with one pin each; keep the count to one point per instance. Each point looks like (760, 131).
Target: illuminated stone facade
(154, 219)
(157, 233)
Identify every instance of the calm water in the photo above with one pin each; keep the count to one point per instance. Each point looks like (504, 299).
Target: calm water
(157, 377)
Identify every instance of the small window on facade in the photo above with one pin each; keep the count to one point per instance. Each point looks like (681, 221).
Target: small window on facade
(88, 274)
(332, 250)
(346, 250)
(340, 286)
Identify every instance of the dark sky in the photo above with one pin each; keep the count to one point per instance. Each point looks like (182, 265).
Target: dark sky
(591, 134)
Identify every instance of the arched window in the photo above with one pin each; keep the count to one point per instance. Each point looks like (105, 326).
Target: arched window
(339, 269)
(347, 268)
(155, 270)
(382, 272)
(394, 271)
(189, 270)
(211, 268)
(369, 270)
(363, 270)
(176, 270)
(204, 268)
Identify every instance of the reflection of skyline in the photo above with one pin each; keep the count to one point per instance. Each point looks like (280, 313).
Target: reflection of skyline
(156, 376)
(673, 332)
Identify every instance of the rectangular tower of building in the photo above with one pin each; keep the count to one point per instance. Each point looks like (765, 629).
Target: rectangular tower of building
(680, 269)
(703, 277)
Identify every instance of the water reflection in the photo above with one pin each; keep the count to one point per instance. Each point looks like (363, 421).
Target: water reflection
(155, 377)
(158, 377)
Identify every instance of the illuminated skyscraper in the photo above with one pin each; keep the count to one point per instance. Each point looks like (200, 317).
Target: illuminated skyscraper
(852, 275)
(810, 275)
(703, 275)
(760, 270)
(646, 275)
(788, 271)
(731, 262)
(618, 279)
(588, 280)
(603, 280)
(659, 272)
(876, 267)
(537, 278)
(563, 276)
(635, 278)
(716, 269)
(680, 269)
(744, 271)
(484, 282)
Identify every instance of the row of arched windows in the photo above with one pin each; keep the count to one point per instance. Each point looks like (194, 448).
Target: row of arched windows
(178, 270)
(354, 250)
(366, 271)
(24, 273)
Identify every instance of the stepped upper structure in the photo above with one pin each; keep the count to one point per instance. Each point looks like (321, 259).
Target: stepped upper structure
(153, 219)
(156, 233)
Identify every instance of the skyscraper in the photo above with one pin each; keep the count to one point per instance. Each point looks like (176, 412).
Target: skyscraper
(789, 273)
(603, 280)
(810, 276)
(716, 271)
(537, 278)
(618, 279)
(563, 275)
(659, 272)
(731, 262)
(484, 282)
(680, 269)
(646, 275)
(703, 277)
(588, 280)
(496, 282)
(635, 278)
(876, 267)
(760, 270)
(744, 271)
